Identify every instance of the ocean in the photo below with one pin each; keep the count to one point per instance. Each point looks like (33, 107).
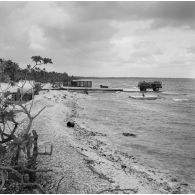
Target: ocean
(164, 128)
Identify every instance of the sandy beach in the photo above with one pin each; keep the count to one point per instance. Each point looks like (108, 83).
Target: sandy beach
(83, 161)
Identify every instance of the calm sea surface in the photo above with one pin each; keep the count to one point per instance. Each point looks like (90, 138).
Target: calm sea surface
(165, 127)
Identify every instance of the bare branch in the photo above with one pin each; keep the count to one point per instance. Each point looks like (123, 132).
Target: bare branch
(32, 84)
(26, 111)
(38, 170)
(37, 65)
(30, 119)
(2, 179)
(39, 112)
(1, 133)
(31, 170)
(59, 184)
(31, 104)
(9, 136)
(8, 126)
(8, 168)
(35, 185)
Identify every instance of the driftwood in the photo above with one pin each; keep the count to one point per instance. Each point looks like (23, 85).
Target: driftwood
(59, 184)
(117, 190)
(101, 175)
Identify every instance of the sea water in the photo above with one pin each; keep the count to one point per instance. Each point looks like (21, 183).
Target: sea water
(164, 128)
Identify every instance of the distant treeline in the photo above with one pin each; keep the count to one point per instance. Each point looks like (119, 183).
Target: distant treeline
(10, 70)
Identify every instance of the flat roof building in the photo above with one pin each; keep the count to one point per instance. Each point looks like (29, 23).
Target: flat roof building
(81, 83)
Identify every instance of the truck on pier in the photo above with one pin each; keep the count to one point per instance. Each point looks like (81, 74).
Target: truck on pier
(155, 85)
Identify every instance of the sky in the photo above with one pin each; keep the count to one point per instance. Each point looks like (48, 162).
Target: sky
(124, 39)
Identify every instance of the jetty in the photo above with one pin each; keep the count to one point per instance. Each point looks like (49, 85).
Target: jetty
(96, 89)
(86, 89)
(86, 86)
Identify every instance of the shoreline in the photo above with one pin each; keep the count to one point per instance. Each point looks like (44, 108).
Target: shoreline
(83, 161)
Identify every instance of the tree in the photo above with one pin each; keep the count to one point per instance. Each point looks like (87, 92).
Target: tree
(10, 69)
(39, 60)
(23, 147)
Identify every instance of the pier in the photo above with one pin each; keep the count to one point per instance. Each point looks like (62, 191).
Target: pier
(86, 89)
(96, 89)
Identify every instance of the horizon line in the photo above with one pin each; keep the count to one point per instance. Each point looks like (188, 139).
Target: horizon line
(134, 77)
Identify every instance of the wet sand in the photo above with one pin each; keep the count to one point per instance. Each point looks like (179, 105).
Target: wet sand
(83, 161)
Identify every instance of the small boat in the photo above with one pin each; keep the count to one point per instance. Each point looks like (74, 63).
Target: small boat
(144, 97)
(103, 86)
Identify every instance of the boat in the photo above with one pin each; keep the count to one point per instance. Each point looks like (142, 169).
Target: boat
(103, 86)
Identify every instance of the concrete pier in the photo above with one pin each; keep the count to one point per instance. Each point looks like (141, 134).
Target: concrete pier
(87, 89)
(98, 89)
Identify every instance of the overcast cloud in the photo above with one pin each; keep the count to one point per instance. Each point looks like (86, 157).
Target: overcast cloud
(152, 39)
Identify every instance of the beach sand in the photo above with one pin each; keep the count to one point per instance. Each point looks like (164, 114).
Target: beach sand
(82, 160)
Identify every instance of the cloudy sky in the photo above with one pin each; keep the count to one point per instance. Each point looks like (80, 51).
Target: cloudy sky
(151, 39)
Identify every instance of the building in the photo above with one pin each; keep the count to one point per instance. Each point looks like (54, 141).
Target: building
(81, 83)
